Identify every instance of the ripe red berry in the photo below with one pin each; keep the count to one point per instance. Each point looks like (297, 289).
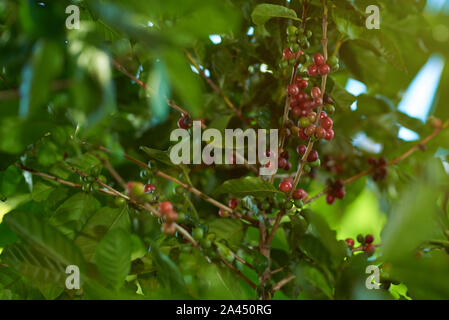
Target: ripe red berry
(323, 115)
(350, 242)
(149, 188)
(287, 54)
(316, 92)
(290, 179)
(330, 199)
(302, 84)
(369, 239)
(329, 135)
(312, 70)
(232, 203)
(296, 112)
(313, 156)
(292, 89)
(320, 133)
(285, 186)
(171, 216)
(301, 149)
(282, 162)
(369, 249)
(165, 206)
(327, 123)
(340, 193)
(372, 161)
(300, 194)
(184, 122)
(318, 59)
(288, 166)
(318, 101)
(130, 186)
(302, 135)
(324, 69)
(302, 96)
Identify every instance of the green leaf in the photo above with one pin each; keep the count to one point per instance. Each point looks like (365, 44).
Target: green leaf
(113, 257)
(247, 186)
(71, 216)
(45, 239)
(264, 12)
(158, 155)
(230, 230)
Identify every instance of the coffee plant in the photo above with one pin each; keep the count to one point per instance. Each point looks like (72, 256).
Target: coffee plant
(93, 207)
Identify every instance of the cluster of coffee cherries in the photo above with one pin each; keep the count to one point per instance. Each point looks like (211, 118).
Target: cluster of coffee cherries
(366, 243)
(89, 183)
(380, 168)
(296, 39)
(334, 164)
(335, 190)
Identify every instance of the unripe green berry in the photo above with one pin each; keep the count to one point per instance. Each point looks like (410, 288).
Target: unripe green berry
(291, 30)
(198, 234)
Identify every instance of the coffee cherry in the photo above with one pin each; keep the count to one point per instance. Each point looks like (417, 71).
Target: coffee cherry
(327, 99)
(310, 130)
(292, 89)
(312, 70)
(369, 239)
(282, 163)
(296, 112)
(198, 234)
(119, 201)
(313, 156)
(149, 188)
(316, 92)
(361, 238)
(332, 61)
(165, 206)
(350, 242)
(168, 228)
(340, 193)
(318, 101)
(302, 135)
(137, 189)
(285, 154)
(318, 59)
(327, 123)
(312, 117)
(285, 186)
(324, 69)
(288, 166)
(372, 161)
(369, 249)
(323, 115)
(292, 30)
(184, 122)
(320, 133)
(302, 96)
(308, 34)
(302, 84)
(301, 149)
(329, 135)
(300, 194)
(224, 213)
(382, 161)
(171, 216)
(339, 184)
(330, 199)
(232, 203)
(435, 123)
(330, 109)
(287, 54)
(304, 122)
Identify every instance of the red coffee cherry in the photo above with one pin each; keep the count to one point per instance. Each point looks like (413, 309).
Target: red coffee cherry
(184, 122)
(318, 59)
(312, 70)
(302, 84)
(302, 96)
(292, 89)
(171, 216)
(282, 163)
(302, 135)
(300, 194)
(288, 166)
(340, 193)
(324, 69)
(165, 206)
(287, 54)
(350, 242)
(330, 199)
(310, 130)
(149, 188)
(323, 115)
(318, 101)
(329, 135)
(285, 186)
(369, 238)
(296, 112)
(320, 133)
(312, 117)
(168, 228)
(316, 92)
(301, 149)
(223, 213)
(327, 123)
(232, 203)
(369, 249)
(313, 156)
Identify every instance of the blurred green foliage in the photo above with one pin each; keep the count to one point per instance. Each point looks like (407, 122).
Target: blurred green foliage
(59, 88)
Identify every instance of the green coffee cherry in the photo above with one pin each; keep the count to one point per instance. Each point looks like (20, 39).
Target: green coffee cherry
(291, 30)
(330, 109)
(308, 34)
(198, 234)
(206, 243)
(316, 163)
(332, 61)
(102, 178)
(119, 202)
(299, 203)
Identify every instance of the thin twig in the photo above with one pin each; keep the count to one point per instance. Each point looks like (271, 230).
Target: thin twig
(283, 282)
(217, 89)
(237, 272)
